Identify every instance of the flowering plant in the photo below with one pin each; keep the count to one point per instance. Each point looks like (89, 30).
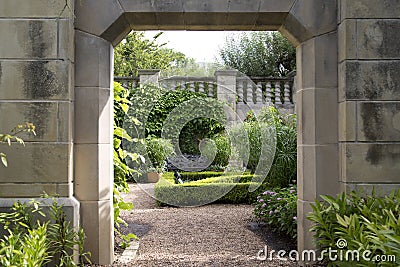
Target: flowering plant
(278, 209)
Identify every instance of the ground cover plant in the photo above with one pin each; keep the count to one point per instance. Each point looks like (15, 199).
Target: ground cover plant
(359, 222)
(278, 209)
(36, 236)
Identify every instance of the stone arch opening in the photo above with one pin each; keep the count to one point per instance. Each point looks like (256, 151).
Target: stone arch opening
(100, 24)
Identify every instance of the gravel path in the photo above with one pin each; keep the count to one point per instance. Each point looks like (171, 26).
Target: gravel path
(212, 235)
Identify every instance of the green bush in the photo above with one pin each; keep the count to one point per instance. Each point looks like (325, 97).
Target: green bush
(152, 105)
(223, 150)
(249, 137)
(246, 178)
(195, 194)
(158, 149)
(365, 222)
(32, 242)
(192, 176)
(278, 209)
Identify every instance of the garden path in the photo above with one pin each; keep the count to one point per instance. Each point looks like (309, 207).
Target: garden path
(211, 235)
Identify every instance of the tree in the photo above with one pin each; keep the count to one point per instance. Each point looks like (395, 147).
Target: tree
(259, 54)
(136, 52)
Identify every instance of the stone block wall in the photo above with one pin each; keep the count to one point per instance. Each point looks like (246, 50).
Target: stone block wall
(369, 94)
(36, 85)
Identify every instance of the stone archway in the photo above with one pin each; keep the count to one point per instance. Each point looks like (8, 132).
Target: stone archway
(311, 25)
(348, 98)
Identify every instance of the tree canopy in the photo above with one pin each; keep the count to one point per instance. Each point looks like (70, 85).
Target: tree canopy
(136, 52)
(259, 54)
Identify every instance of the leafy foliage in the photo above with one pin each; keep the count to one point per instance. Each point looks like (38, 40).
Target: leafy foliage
(30, 242)
(222, 147)
(251, 135)
(278, 209)
(366, 222)
(158, 149)
(136, 52)
(152, 105)
(233, 189)
(121, 169)
(13, 136)
(259, 54)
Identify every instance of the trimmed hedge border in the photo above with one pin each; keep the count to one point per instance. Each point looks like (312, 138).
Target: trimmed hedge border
(201, 191)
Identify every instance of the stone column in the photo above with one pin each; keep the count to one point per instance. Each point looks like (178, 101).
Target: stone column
(149, 76)
(226, 91)
(313, 26)
(36, 85)
(369, 95)
(93, 172)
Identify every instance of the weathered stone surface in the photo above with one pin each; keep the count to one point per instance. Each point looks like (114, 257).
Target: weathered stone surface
(304, 241)
(36, 9)
(98, 226)
(93, 61)
(380, 189)
(318, 62)
(28, 38)
(93, 172)
(66, 39)
(10, 190)
(370, 163)
(369, 9)
(310, 18)
(276, 6)
(43, 115)
(347, 35)
(369, 80)
(96, 16)
(36, 163)
(93, 115)
(347, 121)
(376, 39)
(318, 172)
(378, 121)
(217, 6)
(65, 121)
(35, 80)
(318, 116)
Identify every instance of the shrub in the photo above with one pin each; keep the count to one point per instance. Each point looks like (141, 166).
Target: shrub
(158, 149)
(279, 209)
(255, 137)
(367, 222)
(192, 176)
(197, 194)
(31, 242)
(222, 153)
(152, 105)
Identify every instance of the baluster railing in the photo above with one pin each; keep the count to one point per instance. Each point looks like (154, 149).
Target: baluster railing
(268, 91)
(264, 90)
(278, 100)
(258, 92)
(239, 90)
(249, 94)
(286, 92)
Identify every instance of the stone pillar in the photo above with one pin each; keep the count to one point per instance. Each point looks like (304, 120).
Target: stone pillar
(369, 95)
(36, 85)
(149, 76)
(313, 26)
(226, 91)
(93, 158)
